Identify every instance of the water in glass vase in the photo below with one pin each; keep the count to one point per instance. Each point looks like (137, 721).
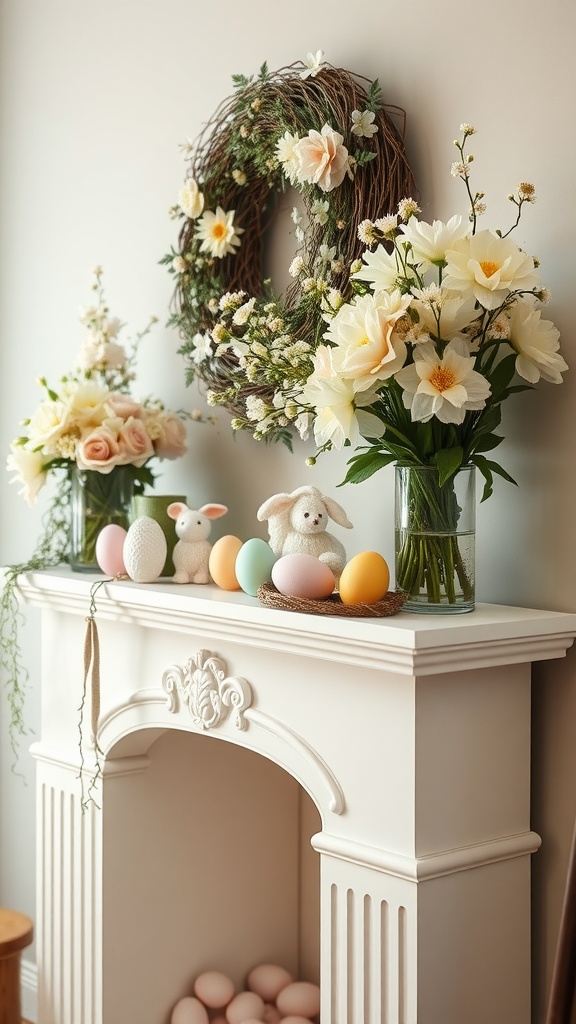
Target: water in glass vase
(96, 500)
(435, 539)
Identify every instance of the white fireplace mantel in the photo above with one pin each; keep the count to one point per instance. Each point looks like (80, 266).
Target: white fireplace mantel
(411, 736)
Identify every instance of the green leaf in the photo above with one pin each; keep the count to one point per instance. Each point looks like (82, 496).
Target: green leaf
(486, 442)
(365, 465)
(448, 461)
(487, 467)
(502, 374)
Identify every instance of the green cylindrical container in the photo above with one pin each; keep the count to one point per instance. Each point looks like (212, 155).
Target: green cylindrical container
(155, 505)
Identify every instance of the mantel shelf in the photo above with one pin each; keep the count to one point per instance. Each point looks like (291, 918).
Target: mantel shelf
(407, 643)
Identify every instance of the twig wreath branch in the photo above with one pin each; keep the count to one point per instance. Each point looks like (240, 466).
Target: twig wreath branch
(326, 133)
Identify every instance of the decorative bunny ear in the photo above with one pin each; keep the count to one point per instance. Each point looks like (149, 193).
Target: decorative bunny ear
(336, 512)
(277, 503)
(213, 511)
(175, 509)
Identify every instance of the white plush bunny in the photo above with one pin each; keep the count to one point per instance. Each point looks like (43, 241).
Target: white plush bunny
(297, 523)
(192, 550)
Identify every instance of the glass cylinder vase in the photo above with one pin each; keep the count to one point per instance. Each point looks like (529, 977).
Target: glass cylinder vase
(96, 500)
(435, 539)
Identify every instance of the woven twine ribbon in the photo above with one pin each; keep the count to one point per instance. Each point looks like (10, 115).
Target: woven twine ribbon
(92, 673)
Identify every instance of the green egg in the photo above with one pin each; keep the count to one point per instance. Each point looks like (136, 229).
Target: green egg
(253, 565)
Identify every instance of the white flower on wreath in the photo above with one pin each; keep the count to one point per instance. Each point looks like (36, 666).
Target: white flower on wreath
(322, 159)
(488, 267)
(537, 342)
(314, 63)
(202, 348)
(286, 153)
(219, 235)
(445, 387)
(191, 199)
(319, 210)
(362, 123)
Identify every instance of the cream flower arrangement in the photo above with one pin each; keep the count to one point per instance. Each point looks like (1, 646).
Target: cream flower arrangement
(324, 139)
(89, 422)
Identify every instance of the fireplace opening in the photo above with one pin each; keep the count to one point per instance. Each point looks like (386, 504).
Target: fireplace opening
(208, 850)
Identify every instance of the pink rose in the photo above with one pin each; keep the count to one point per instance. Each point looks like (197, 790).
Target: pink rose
(171, 441)
(123, 406)
(135, 444)
(322, 158)
(99, 450)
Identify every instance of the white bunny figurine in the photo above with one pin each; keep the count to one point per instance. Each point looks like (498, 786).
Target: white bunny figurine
(192, 550)
(297, 523)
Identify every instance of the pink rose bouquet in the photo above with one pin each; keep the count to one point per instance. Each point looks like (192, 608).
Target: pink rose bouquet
(91, 421)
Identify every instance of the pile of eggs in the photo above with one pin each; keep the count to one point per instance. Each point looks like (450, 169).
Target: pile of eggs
(271, 996)
(246, 566)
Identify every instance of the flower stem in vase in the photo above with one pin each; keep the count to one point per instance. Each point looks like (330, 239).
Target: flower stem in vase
(97, 500)
(435, 539)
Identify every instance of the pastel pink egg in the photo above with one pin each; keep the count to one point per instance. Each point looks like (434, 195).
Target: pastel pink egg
(189, 1011)
(301, 998)
(214, 989)
(302, 575)
(268, 980)
(271, 1015)
(110, 549)
(294, 1020)
(244, 1006)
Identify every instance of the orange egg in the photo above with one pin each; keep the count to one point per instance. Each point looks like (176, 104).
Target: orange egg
(222, 560)
(365, 579)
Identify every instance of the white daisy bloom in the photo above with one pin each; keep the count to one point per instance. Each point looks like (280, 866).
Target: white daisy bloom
(488, 267)
(313, 64)
(219, 235)
(444, 387)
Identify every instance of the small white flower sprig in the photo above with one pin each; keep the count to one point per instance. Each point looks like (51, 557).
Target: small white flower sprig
(327, 135)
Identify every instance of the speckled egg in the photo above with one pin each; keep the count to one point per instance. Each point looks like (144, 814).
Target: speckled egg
(144, 550)
(365, 579)
(253, 566)
(302, 575)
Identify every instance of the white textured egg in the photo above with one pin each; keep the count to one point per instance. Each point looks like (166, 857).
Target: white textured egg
(214, 989)
(268, 980)
(300, 999)
(253, 565)
(189, 1011)
(144, 550)
(109, 547)
(244, 1006)
(302, 575)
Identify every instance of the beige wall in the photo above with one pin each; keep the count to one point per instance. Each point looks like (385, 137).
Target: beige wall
(94, 101)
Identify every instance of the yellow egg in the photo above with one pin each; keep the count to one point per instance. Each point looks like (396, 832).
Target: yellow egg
(365, 579)
(222, 560)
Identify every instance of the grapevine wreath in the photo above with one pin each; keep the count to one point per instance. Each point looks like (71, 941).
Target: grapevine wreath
(326, 134)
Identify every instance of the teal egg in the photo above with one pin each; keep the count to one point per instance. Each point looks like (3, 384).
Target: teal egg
(253, 565)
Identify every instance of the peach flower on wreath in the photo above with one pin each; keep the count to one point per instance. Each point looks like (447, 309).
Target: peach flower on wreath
(322, 158)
